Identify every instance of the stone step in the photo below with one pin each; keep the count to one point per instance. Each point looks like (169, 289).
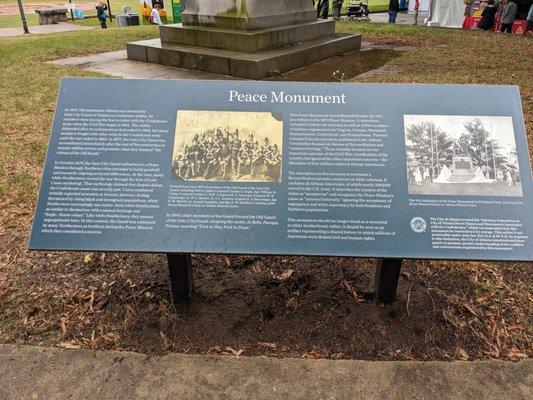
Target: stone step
(245, 41)
(244, 65)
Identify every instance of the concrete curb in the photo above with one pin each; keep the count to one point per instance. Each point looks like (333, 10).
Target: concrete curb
(28, 372)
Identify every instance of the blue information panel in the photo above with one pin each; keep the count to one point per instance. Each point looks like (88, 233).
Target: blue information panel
(403, 171)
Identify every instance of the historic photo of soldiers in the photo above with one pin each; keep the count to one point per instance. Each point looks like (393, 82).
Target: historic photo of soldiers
(228, 146)
(461, 155)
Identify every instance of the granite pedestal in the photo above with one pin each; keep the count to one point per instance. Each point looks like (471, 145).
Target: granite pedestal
(245, 38)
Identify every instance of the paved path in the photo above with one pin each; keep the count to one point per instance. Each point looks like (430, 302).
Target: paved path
(46, 373)
(42, 29)
(402, 18)
(115, 63)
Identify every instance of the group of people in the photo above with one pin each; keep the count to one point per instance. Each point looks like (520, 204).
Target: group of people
(322, 8)
(507, 9)
(223, 155)
(153, 13)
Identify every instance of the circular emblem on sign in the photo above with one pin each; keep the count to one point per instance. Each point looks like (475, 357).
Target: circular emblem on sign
(418, 224)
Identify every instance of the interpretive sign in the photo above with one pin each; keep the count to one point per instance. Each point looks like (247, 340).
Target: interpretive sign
(399, 171)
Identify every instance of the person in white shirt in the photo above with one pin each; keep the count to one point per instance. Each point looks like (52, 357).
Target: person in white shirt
(154, 16)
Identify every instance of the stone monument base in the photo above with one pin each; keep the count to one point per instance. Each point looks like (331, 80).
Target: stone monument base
(253, 54)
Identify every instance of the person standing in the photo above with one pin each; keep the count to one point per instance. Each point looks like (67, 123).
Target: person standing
(508, 16)
(322, 9)
(529, 19)
(337, 7)
(394, 7)
(155, 17)
(487, 16)
(418, 177)
(100, 13)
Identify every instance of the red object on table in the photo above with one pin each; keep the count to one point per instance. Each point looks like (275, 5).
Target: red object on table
(519, 26)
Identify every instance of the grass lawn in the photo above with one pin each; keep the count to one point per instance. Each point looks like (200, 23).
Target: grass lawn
(461, 310)
(373, 5)
(10, 21)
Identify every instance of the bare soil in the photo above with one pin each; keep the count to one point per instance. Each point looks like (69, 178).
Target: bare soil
(12, 9)
(313, 307)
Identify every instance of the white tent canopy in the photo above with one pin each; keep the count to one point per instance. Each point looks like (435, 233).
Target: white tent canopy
(446, 13)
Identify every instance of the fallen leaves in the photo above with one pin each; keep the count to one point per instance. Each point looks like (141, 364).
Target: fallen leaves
(228, 351)
(280, 277)
(236, 353)
(461, 354)
(268, 345)
(165, 340)
(359, 297)
(316, 353)
(69, 345)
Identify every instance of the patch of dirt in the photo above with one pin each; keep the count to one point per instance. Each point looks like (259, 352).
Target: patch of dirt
(312, 307)
(13, 9)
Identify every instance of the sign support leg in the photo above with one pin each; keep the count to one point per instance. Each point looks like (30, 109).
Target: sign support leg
(181, 281)
(386, 280)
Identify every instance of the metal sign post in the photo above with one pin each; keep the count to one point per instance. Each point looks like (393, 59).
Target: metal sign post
(23, 17)
(110, 12)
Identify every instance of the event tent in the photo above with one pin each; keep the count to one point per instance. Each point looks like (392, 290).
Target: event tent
(446, 13)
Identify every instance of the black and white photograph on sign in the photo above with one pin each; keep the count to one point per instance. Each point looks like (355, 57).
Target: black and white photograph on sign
(228, 146)
(461, 155)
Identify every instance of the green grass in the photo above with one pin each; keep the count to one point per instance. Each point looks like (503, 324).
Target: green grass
(27, 100)
(373, 5)
(11, 21)
(378, 5)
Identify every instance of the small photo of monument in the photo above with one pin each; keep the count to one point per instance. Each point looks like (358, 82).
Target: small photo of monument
(228, 146)
(461, 155)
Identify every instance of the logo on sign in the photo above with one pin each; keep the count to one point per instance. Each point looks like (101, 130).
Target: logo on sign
(418, 224)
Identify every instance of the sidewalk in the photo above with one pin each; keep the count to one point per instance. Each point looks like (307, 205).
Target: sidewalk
(42, 29)
(47, 373)
(403, 18)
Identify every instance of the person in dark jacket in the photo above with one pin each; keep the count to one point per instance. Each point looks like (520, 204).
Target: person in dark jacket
(508, 16)
(322, 9)
(529, 19)
(100, 13)
(337, 7)
(394, 7)
(487, 16)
